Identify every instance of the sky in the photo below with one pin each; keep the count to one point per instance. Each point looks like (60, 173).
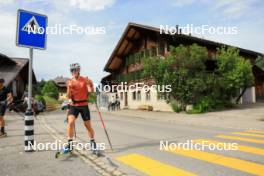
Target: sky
(93, 51)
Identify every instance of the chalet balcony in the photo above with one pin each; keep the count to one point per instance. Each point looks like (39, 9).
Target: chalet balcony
(132, 76)
(140, 56)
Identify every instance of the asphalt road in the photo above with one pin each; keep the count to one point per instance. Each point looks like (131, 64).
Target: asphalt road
(136, 144)
(15, 162)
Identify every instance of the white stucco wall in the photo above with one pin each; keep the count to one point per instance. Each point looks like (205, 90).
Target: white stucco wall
(157, 104)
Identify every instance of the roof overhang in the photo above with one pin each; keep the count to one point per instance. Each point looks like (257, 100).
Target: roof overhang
(131, 33)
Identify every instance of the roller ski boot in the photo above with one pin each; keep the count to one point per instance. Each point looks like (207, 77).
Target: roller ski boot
(2, 135)
(94, 148)
(66, 151)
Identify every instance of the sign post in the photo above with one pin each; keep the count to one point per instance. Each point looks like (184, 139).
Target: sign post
(31, 33)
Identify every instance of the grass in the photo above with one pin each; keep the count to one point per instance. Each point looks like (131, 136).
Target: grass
(262, 119)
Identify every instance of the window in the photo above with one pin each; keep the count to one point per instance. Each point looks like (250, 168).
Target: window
(161, 48)
(134, 95)
(139, 95)
(121, 95)
(160, 96)
(148, 95)
(163, 96)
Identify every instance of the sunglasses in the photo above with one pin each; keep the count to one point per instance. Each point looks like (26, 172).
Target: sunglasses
(74, 70)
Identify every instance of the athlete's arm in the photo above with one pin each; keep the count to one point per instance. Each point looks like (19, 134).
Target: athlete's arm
(68, 90)
(9, 98)
(90, 86)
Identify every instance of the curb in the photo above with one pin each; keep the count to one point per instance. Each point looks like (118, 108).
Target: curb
(95, 162)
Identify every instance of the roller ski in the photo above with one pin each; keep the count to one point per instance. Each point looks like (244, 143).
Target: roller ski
(66, 151)
(94, 149)
(96, 152)
(3, 135)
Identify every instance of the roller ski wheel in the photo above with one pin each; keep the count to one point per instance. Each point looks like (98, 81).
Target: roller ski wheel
(96, 153)
(64, 152)
(3, 135)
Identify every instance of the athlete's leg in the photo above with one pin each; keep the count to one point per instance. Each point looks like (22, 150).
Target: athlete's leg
(70, 127)
(71, 117)
(90, 131)
(2, 120)
(85, 112)
(2, 124)
(89, 128)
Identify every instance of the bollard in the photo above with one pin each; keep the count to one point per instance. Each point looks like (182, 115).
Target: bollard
(29, 131)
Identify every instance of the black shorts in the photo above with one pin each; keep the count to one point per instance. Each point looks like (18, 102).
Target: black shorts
(83, 110)
(2, 109)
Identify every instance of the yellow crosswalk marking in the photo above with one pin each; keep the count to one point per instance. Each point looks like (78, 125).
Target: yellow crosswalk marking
(257, 141)
(255, 131)
(152, 167)
(238, 164)
(249, 134)
(243, 148)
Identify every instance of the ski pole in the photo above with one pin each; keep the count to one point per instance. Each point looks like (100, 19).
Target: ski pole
(104, 127)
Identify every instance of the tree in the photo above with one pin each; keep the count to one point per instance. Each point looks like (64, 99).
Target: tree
(50, 90)
(234, 72)
(185, 70)
(37, 88)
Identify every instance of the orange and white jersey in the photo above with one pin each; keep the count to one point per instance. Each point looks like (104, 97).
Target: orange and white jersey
(78, 91)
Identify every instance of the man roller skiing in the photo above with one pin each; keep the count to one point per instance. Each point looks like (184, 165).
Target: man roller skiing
(5, 99)
(78, 88)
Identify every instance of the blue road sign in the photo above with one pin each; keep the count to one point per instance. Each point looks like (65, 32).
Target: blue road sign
(31, 29)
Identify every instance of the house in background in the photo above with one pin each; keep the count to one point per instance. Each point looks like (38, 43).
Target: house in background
(15, 73)
(61, 83)
(139, 41)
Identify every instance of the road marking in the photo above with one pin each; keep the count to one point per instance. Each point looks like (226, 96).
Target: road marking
(238, 164)
(152, 167)
(241, 139)
(255, 131)
(249, 134)
(243, 148)
(82, 154)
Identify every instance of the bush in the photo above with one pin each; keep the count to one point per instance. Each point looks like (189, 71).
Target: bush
(204, 104)
(210, 103)
(175, 107)
(194, 111)
(50, 90)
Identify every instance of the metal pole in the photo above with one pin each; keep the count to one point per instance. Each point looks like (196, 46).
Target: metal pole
(29, 119)
(106, 133)
(30, 79)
